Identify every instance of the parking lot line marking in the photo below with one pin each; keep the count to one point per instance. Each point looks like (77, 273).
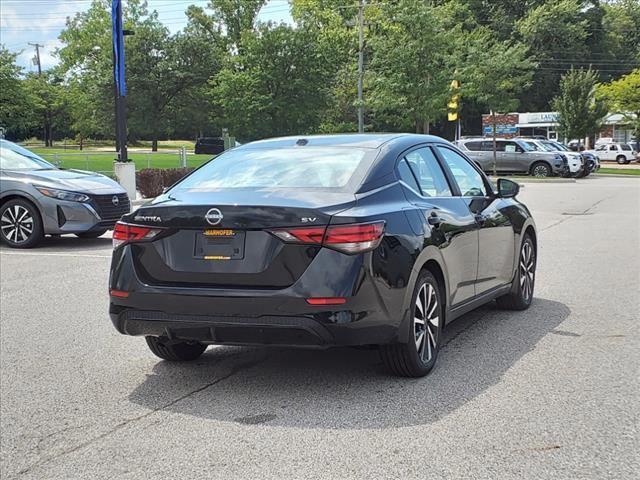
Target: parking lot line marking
(54, 254)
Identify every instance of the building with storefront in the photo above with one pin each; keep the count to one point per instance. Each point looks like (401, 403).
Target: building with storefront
(546, 124)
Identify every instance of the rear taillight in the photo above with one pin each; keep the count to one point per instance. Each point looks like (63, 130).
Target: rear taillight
(126, 233)
(354, 238)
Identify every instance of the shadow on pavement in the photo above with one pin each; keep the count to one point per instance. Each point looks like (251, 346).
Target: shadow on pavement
(68, 244)
(348, 388)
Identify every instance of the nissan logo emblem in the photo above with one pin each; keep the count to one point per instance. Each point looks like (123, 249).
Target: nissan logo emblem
(214, 216)
(115, 200)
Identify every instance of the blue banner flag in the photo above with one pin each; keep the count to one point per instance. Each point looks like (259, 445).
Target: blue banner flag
(118, 47)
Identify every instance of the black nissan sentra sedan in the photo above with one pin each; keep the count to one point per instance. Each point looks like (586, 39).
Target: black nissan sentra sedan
(378, 239)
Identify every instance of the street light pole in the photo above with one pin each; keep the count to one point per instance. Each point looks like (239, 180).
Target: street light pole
(360, 65)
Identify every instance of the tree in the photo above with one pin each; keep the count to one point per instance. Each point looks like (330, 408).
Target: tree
(276, 86)
(493, 73)
(623, 96)
(49, 103)
(556, 34)
(160, 67)
(410, 85)
(16, 106)
(580, 113)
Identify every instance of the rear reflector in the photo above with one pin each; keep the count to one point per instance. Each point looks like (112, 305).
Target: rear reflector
(353, 238)
(127, 233)
(118, 293)
(327, 301)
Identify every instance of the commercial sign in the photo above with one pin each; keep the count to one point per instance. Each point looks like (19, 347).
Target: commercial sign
(539, 117)
(501, 129)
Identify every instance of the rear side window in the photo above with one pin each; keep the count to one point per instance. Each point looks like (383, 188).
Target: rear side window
(308, 167)
(474, 146)
(427, 170)
(406, 176)
(625, 147)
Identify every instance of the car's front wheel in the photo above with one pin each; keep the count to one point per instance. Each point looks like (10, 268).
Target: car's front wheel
(20, 224)
(417, 356)
(175, 350)
(521, 293)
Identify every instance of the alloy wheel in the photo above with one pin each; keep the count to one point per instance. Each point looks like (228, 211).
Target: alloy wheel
(527, 270)
(540, 171)
(16, 224)
(426, 322)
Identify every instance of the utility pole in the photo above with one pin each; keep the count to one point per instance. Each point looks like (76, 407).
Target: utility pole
(38, 47)
(360, 65)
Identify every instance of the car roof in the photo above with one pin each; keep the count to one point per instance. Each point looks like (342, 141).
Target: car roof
(358, 140)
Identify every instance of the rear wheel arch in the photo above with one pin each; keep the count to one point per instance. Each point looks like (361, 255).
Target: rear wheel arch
(435, 269)
(532, 233)
(430, 261)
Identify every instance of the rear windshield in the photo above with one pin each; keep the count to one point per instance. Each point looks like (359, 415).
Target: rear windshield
(298, 167)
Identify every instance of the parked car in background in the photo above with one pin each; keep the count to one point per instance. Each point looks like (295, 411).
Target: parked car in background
(575, 160)
(636, 150)
(38, 198)
(592, 162)
(614, 152)
(514, 156)
(377, 240)
(209, 145)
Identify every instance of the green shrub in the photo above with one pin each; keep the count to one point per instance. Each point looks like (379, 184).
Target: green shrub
(151, 181)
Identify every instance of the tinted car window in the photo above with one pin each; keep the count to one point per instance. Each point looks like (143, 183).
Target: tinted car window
(500, 146)
(310, 167)
(625, 147)
(406, 176)
(613, 148)
(487, 146)
(468, 179)
(474, 146)
(427, 170)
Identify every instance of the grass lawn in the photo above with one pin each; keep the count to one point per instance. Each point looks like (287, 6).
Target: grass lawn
(620, 171)
(99, 161)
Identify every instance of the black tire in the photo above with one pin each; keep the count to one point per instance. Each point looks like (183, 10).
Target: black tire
(175, 351)
(25, 233)
(408, 359)
(540, 169)
(521, 294)
(91, 234)
(622, 160)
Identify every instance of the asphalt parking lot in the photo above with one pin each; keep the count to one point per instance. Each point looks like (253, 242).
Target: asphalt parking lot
(552, 392)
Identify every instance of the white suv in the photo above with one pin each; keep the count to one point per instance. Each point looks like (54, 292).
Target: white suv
(619, 152)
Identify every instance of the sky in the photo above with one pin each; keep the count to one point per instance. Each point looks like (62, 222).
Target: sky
(30, 21)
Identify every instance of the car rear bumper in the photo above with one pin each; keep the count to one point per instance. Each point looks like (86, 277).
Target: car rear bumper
(242, 316)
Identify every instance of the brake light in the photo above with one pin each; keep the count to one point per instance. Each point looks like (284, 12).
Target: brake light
(127, 233)
(354, 238)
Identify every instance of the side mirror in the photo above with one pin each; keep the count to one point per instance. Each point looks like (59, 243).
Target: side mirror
(507, 188)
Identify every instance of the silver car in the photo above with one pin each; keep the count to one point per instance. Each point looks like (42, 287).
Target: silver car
(514, 156)
(37, 199)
